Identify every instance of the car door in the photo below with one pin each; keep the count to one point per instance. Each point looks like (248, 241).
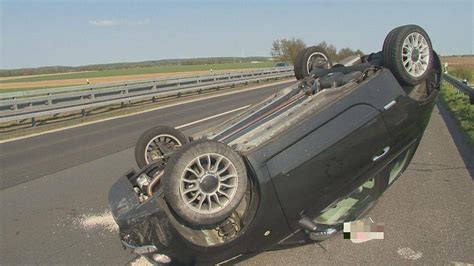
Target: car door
(409, 111)
(318, 169)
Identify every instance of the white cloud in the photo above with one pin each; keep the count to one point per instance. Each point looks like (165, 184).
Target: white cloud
(114, 22)
(104, 22)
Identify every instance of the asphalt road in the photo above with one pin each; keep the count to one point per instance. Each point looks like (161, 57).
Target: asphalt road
(53, 200)
(30, 158)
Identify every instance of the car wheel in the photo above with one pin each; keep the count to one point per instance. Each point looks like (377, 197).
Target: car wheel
(204, 182)
(157, 142)
(297, 64)
(313, 57)
(408, 54)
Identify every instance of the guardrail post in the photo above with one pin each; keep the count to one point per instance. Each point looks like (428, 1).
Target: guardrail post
(14, 105)
(33, 122)
(124, 92)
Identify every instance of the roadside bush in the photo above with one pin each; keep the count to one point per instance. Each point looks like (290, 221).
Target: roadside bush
(463, 112)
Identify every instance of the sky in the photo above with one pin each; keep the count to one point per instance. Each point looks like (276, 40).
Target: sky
(45, 33)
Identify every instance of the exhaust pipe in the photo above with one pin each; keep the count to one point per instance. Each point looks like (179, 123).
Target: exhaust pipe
(319, 232)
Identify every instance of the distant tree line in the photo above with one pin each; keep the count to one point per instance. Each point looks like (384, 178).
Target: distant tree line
(128, 65)
(286, 50)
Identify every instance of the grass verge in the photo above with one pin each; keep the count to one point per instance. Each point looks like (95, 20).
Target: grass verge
(458, 105)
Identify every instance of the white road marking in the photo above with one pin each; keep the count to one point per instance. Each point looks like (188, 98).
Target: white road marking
(214, 116)
(145, 111)
(410, 254)
(458, 263)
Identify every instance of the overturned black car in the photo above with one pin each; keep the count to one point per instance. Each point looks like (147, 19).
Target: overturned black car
(288, 171)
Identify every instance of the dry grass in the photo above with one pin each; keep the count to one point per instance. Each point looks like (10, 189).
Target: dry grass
(458, 62)
(82, 81)
(68, 79)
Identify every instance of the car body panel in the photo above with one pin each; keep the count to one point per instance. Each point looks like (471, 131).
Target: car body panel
(350, 141)
(304, 154)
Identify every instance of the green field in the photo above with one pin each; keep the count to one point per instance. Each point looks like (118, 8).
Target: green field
(28, 89)
(463, 112)
(140, 71)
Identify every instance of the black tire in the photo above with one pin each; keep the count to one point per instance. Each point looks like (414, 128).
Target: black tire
(198, 206)
(387, 39)
(145, 150)
(394, 60)
(297, 64)
(305, 66)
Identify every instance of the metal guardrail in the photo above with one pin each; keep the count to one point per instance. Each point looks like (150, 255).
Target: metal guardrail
(469, 91)
(16, 106)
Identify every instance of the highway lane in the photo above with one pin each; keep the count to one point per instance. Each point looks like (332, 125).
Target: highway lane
(58, 218)
(34, 157)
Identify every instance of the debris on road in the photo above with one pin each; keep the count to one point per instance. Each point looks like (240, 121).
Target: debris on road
(102, 220)
(410, 254)
(140, 261)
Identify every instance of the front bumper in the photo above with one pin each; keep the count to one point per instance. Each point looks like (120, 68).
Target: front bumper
(143, 226)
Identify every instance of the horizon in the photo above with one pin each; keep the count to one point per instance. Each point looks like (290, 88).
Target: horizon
(151, 60)
(132, 62)
(69, 33)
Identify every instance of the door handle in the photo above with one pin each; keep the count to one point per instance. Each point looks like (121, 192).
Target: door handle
(380, 156)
